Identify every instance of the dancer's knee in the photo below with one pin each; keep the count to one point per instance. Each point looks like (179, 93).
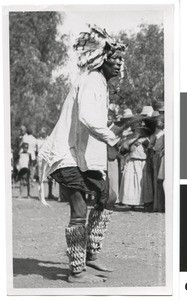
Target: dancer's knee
(78, 209)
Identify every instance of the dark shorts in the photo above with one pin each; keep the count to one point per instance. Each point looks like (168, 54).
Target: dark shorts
(23, 172)
(86, 182)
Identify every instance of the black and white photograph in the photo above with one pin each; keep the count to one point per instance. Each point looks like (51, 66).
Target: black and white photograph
(89, 169)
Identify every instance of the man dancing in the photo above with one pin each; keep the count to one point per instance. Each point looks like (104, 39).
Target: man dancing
(75, 154)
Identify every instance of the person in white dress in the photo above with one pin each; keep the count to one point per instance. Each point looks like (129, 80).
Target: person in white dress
(136, 186)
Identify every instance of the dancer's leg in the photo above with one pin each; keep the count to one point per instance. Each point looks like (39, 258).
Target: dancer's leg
(99, 218)
(76, 238)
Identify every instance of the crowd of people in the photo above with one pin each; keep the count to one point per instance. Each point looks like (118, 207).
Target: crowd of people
(137, 177)
(26, 164)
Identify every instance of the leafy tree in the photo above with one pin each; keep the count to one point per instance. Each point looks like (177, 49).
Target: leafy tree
(35, 52)
(143, 83)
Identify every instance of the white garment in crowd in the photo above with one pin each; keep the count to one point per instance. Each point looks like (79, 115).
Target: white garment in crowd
(32, 142)
(40, 142)
(24, 161)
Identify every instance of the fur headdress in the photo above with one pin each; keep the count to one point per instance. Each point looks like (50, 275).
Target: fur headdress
(94, 47)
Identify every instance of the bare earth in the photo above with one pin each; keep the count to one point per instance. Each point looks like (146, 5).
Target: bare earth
(134, 246)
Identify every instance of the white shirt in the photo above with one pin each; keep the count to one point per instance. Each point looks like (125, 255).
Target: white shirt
(81, 133)
(24, 160)
(32, 142)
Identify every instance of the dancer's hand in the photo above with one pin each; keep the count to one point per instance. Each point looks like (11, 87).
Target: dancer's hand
(124, 144)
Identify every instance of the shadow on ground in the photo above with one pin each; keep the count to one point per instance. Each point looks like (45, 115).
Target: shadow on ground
(30, 266)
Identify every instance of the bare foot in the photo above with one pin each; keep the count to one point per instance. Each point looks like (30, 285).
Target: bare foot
(85, 278)
(98, 266)
(41, 195)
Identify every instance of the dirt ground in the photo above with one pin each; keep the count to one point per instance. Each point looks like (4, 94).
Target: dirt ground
(134, 246)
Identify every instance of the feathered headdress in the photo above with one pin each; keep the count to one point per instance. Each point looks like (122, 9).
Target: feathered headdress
(94, 47)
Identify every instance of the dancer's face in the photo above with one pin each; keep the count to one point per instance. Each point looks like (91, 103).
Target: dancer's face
(111, 67)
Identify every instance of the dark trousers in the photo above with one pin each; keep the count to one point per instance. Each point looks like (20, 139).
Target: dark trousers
(76, 184)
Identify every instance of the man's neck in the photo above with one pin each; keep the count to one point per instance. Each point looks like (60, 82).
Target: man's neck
(104, 75)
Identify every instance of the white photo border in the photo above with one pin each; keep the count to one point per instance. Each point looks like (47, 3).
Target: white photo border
(169, 108)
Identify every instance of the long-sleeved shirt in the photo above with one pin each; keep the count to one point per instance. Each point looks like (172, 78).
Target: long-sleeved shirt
(81, 133)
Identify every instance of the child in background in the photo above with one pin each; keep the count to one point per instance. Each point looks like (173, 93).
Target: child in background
(23, 167)
(32, 149)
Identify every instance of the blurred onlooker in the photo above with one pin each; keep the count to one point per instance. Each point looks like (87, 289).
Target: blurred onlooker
(136, 184)
(19, 139)
(161, 109)
(126, 117)
(40, 141)
(147, 111)
(113, 162)
(161, 177)
(115, 108)
(17, 149)
(157, 148)
(32, 142)
(24, 161)
(23, 166)
(32, 149)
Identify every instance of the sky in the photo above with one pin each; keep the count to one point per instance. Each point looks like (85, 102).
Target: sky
(113, 19)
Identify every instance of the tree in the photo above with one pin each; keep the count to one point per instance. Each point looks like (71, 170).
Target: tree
(35, 52)
(143, 83)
